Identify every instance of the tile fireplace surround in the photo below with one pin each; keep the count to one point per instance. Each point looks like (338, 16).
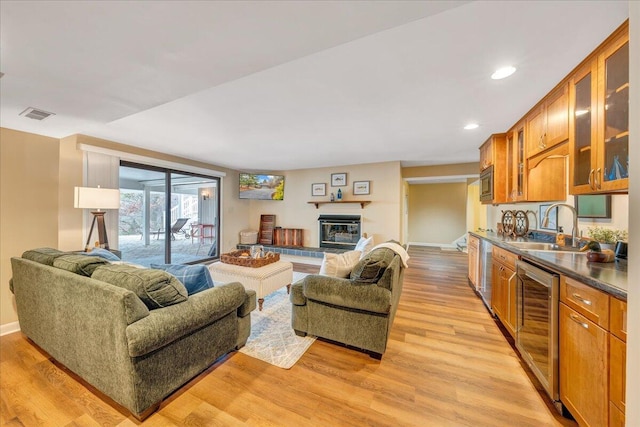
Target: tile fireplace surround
(297, 251)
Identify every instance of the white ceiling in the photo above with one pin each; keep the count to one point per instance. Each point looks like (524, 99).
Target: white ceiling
(279, 85)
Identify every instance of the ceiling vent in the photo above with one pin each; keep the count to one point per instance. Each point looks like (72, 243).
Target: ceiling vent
(34, 113)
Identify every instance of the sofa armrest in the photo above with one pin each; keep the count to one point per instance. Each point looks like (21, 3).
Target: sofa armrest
(297, 294)
(165, 325)
(249, 303)
(344, 293)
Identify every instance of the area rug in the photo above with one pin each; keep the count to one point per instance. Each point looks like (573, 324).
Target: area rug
(272, 338)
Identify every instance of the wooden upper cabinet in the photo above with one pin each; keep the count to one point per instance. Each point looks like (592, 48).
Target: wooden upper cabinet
(516, 164)
(548, 123)
(486, 155)
(599, 119)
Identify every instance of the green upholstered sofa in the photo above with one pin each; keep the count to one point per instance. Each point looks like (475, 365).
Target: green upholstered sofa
(357, 311)
(106, 335)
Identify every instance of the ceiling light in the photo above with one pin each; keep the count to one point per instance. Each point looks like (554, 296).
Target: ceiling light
(581, 112)
(503, 72)
(471, 126)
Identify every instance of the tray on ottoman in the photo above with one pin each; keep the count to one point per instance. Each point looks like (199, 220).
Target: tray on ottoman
(239, 258)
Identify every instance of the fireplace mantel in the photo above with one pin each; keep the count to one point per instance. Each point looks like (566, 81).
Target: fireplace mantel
(362, 203)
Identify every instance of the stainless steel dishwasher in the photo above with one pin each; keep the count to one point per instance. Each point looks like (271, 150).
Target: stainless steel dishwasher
(537, 324)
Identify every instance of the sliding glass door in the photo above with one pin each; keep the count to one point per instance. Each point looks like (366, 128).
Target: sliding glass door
(167, 216)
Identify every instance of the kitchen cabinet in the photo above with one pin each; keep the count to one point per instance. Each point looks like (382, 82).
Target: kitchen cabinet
(516, 167)
(493, 169)
(599, 119)
(473, 249)
(503, 292)
(548, 122)
(584, 352)
(617, 361)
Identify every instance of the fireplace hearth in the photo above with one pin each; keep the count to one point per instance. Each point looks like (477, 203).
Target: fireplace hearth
(339, 231)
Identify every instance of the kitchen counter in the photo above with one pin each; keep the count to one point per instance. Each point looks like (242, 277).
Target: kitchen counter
(609, 277)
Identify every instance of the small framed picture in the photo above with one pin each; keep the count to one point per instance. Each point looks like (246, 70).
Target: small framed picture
(338, 179)
(319, 189)
(553, 217)
(360, 187)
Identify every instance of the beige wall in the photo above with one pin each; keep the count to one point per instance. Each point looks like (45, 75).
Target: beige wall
(437, 212)
(441, 170)
(28, 203)
(380, 219)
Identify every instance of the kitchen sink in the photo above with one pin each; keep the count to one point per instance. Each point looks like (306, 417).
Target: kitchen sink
(542, 246)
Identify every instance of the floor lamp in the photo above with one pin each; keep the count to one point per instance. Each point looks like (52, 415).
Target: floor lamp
(97, 199)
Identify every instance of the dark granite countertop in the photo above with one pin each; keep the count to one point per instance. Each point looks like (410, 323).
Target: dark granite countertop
(610, 277)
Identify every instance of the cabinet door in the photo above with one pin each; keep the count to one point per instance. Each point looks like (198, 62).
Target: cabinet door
(511, 285)
(557, 128)
(613, 150)
(584, 367)
(516, 171)
(618, 372)
(535, 131)
(473, 248)
(582, 130)
(498, 303)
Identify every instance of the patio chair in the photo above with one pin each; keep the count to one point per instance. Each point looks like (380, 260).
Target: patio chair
(175, 228)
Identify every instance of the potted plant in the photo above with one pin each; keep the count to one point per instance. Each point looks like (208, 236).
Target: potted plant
(607, 237)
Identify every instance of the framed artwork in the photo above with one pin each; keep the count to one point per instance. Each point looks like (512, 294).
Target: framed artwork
(360, 187)
(338, 179)
(553, 217)
(594, 206)
(319, 189)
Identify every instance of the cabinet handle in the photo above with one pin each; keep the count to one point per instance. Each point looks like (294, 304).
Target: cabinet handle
(540, 143)
(590, 179)
(578, 321)
(579, 298)
(598, 180)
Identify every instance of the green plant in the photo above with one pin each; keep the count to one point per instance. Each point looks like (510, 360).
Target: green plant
(606, 235)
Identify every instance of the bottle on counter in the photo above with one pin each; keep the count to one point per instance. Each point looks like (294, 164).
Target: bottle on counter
(333, 197)
(339, 194)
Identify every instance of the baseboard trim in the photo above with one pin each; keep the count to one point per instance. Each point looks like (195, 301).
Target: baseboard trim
(9, 328)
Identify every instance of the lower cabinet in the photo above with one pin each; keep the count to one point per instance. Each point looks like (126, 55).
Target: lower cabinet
(503, 292)
(473, 248)
(584, 368)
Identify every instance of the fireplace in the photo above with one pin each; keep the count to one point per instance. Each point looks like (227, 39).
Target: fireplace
(339, 231)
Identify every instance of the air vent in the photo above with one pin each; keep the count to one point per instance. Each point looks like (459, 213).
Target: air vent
(35, 114)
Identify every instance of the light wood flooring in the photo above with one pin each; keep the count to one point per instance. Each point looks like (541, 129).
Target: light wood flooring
(447, 364)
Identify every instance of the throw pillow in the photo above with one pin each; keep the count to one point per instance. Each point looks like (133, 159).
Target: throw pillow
(339, 265)
(156, 288)
(79, 264)
(43, 255)
(364, 245)
(371, 268)
(102, 253)
(195, 278)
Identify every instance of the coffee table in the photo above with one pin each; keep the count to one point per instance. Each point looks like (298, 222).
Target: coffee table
(263, 280)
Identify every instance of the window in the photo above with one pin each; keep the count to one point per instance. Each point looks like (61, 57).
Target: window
(167, 216)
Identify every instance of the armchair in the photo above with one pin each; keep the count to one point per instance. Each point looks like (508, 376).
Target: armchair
(357, 311)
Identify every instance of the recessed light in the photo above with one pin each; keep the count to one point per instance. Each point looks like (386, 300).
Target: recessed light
(471, 126)
(503, 72)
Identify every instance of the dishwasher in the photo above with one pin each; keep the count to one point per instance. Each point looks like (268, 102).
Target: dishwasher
(486, 254)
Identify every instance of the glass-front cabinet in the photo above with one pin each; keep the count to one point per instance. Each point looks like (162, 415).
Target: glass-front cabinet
(516, 171)
(599, 121)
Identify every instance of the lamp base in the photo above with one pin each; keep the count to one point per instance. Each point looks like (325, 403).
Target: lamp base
(103, 241)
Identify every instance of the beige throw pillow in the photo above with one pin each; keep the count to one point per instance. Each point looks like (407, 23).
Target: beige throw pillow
(339, 265)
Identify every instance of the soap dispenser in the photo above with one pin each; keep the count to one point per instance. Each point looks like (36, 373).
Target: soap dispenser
(560, 237)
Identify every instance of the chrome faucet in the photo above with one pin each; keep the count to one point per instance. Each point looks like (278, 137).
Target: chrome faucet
(574, 230)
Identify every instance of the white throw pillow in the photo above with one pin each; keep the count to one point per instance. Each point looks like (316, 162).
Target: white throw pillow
(364, 245)
(339, 265)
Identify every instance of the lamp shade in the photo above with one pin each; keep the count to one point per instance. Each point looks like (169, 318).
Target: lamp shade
(96, 198)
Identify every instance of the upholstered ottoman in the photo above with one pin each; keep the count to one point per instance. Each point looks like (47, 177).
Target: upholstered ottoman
(263, 280)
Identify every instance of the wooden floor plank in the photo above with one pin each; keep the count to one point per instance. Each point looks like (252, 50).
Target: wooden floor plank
(447, 364)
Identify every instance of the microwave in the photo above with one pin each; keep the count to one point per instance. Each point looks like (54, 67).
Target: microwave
(486, 185)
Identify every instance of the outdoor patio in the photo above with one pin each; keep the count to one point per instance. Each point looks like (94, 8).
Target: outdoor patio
(183, 249)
